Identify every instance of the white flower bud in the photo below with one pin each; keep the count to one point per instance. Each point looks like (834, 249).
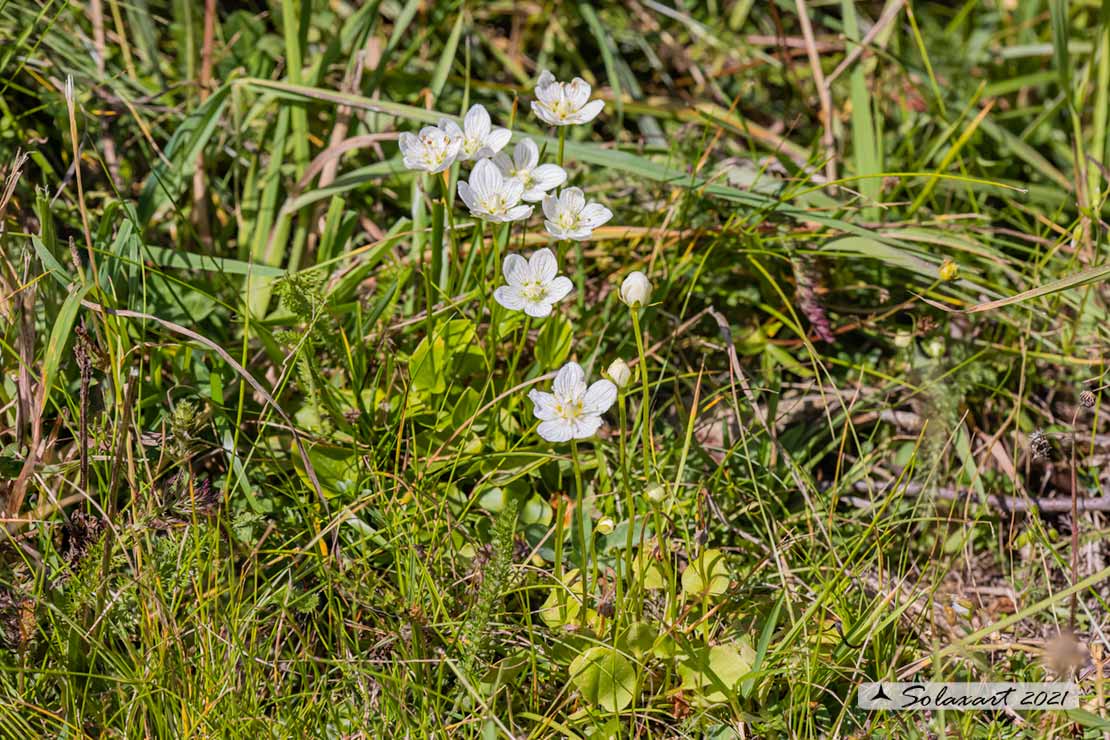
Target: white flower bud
(605, 525)
(935, 347)
(619, 373)
(656, 494)
(903, 338)
(636, 289)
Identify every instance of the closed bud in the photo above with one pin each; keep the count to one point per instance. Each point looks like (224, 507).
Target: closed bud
(935, 346)
(949, 270)
(656, 494)
(619, 373)
(636, 289)
(605, 525)
(903, 338)
(1087, 399)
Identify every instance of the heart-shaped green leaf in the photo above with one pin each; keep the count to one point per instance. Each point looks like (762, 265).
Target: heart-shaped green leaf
(605, 677)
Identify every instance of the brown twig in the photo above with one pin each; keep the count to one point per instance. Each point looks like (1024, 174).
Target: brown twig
(1004, 503)
(823, 96)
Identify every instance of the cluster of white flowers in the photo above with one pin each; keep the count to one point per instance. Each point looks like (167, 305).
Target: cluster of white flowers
(499, 185)
(499, 190)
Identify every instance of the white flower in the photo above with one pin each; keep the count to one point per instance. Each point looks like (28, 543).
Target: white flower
(570, 217)
(491, 196)
(532, 284)
(572, 411)
(619, 372)
(636, 289)
(563, 103)
(434, 150)
(536, 180)
(478, 136)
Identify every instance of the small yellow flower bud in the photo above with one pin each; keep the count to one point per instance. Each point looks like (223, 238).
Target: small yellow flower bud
(619, 373)
(605, 525)
(636, 289)
(903, 338)
(949, 270)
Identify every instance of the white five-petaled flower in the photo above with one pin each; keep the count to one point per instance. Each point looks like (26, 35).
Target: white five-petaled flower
(433, 150)
(533, 284)
(479, 138)
(492, 196)
(570, 217)
(537, 180)
(564, 103)
(571, 410)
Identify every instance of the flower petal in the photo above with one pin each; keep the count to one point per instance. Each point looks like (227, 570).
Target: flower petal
(545, 403)
(566, 383)
(511, 189)
(515, 269)
(586, 426)
(509, 297)
(551, 207)
(572, 199)
(554, 229)
(447, 127)
(589, 111)
(503, 163)
(599, 397)
(543, 265)
(518, 213)
(548, 176)
(467, 195)
(544, 114)
(556, 430)
(595, 214)
(497, 139)
(537, 309)
(559, 288)
(408, 142)
(526, 154)
(477, 122)
(547, 89)
(577, 92)
(485, 179)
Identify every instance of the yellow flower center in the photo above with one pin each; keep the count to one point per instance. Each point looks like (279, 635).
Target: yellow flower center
(533, 290)
(569, 411)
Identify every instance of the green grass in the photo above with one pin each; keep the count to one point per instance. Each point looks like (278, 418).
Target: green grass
(267, 460)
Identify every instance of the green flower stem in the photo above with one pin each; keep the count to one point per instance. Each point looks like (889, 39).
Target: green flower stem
(629, 501)
(519, 350)
(580, 277)
(562, 141)
(560, 515)
(452, 248)
(439, 264)
(583, 530)
(645, 416)
(426, 269)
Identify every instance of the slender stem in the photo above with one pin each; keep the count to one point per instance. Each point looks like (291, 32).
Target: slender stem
(519, 350)
(438, 267)
(645, 417)
(451, 246)
(629, 501)
(583, 529)
(560, 515)
(580, 277)
(562, 141)
(426, 267)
